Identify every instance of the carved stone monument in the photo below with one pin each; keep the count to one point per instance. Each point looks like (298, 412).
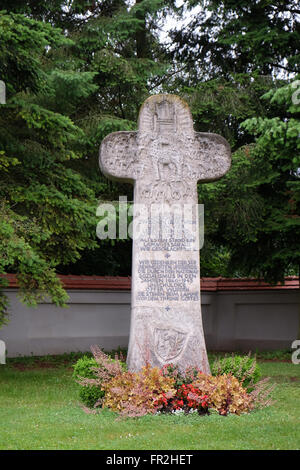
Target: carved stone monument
(164, 160)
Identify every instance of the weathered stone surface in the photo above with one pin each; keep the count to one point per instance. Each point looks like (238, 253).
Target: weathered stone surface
(164, 160)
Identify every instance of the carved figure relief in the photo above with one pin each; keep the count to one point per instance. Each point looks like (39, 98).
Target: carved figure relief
(165, 155)
(169, 343)
(166, 336)
(166, 159)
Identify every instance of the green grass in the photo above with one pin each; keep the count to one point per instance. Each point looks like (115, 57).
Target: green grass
(39, 409)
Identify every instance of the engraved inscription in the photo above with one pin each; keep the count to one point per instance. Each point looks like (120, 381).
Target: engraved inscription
(167, 231)
(171, 244)
(167, 280)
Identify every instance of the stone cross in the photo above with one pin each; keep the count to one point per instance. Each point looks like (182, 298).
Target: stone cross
(164, 160)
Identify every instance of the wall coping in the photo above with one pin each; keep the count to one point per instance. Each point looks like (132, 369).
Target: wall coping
(208, 284)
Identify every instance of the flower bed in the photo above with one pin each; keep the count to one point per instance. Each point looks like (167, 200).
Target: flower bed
(169, 389)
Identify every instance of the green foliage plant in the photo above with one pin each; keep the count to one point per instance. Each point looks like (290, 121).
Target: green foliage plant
(92, 373)
(88, 394)
(244, 368)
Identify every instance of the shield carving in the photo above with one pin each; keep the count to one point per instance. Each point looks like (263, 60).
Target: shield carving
(169, 343)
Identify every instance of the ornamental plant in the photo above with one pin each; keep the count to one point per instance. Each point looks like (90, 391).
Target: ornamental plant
(139, 393)
(181, 377)
(224, 393)
(83, 369)
(187, 398)
(150, 390)
(93, 373)
(244, 368)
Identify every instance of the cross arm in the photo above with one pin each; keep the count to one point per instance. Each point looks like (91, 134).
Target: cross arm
(118, 156)
(212, 158)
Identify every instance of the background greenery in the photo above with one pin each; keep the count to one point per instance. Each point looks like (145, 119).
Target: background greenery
(77, 70)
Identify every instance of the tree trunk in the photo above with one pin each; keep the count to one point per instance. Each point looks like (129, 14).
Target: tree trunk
(140, 36)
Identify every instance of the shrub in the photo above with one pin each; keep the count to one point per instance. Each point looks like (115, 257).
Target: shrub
(91, 395)
(244, 368)
(152, 390)
(138, 393)
(83, 368)
(88, 394)
(92, 373)
(172, 371)
(180, 377)
(224, 393)
(187, 398)
(262, 393)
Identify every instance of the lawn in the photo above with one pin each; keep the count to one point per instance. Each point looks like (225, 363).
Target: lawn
(39, 409)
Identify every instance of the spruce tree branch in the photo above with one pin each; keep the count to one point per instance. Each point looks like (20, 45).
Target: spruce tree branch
(297, 12)
(282, 67)
(166, 77)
